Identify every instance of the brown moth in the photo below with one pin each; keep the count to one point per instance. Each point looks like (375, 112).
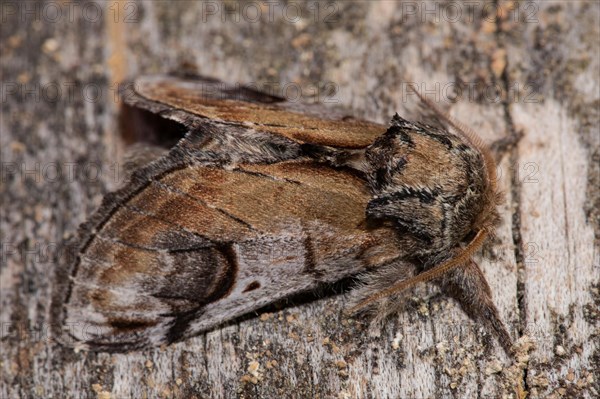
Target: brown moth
(263, 199)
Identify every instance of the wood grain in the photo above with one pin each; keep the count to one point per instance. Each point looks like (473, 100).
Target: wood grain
(529, 67)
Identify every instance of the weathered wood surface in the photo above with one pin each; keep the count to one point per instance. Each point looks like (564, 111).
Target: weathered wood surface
(59, 115)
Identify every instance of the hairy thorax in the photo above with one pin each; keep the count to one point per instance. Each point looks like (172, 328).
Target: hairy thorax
(430, 183)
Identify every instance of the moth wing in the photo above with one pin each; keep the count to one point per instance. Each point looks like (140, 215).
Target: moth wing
(198, 101)
(186, 247)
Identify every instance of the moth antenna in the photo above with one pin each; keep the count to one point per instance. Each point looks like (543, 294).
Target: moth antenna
(430, 274)
(466, 133)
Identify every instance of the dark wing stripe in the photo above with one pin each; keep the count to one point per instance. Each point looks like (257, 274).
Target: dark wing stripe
(182, 321)
(177, 191)
(153, 216)
(310, 261)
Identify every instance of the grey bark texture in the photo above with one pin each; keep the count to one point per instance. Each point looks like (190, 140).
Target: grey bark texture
(529, 68)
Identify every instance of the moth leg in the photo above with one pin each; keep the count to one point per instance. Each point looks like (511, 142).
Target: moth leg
(377, 281)
(468, 286)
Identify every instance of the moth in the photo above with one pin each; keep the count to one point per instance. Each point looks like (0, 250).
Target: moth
(265, 198)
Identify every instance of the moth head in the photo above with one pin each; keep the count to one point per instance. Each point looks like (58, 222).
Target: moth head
(432, 184)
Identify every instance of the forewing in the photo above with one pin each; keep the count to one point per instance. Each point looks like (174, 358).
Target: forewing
(195, 245)
(197, 101)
